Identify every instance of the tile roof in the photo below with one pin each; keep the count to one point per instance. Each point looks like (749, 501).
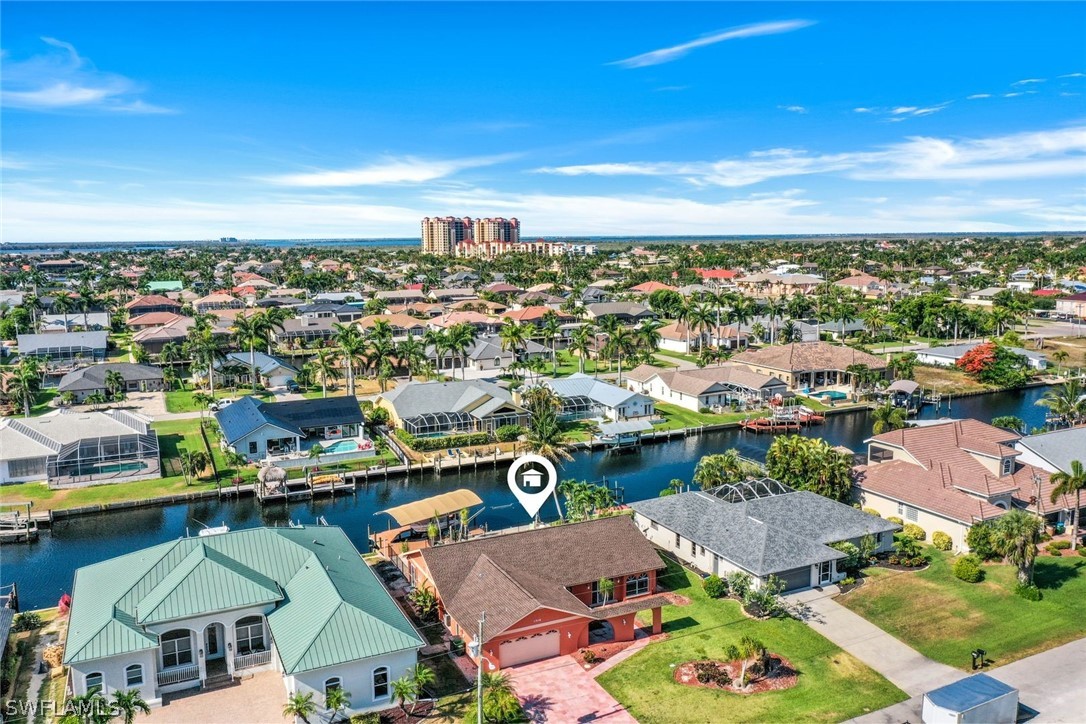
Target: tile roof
(330, 608)
(765, 535)
(803, 356)
(930, 490)
(152, 300)
(511, 575)
(707, 379)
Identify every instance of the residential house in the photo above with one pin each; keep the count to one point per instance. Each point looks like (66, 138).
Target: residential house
(71, 448)
(584, 397)
(87, 381)
(760, 527)
(697, 389)
(151, 319)
(679, 337)
(540, 588)
(64, 347)
(1073, 306)
(288, 430)
(648, 288)
(625, 312)
(444, 408)
(946, 476)
(217, 301)
(483, 323)
(206, 610)
(335, 311)
(809, 365)
(718, 278)
(90, 322)
(402, 325)
(948, 356)
(272, 372)
(535, 315)
(162, 286)
(453, 294)
(769, 284)
(401, 296)
(486, 354)
(1054, 452)
(304, 329)
(869, 286)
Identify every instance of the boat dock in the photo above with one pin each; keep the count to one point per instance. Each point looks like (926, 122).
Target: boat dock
(17, 525)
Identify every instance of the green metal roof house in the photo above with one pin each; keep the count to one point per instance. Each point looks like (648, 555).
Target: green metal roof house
(196, 611)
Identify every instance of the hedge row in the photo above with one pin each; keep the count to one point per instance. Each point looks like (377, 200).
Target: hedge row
(429, 444)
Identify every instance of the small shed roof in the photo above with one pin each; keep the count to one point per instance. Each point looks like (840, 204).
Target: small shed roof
(969, 693)
(429, 507)
(625, 426)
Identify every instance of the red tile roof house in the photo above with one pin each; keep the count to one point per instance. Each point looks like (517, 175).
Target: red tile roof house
(948, 476)
(151, 303)
(540, 588)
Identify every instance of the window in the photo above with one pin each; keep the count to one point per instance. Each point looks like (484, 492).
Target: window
(678, 541)
(332, 685)
(911, 513)
(637, 585)
(249, 633)
(693, 548)
(380, 683)
(176, 648)
(133, 675)
(653, 526)
(1008, 465)
(94, 682)
(252, 447)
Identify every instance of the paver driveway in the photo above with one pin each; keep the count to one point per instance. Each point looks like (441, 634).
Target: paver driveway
(561, 691)
(258, 700)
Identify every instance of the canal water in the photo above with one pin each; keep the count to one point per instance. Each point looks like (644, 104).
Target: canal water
(44, 569)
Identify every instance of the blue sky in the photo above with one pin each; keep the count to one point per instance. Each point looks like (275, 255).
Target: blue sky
(282, 120)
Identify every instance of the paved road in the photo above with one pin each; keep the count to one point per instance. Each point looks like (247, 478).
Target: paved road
(906, 668)
(1049, 683)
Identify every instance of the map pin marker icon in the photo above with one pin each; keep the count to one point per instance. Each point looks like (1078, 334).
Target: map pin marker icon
(532, 478)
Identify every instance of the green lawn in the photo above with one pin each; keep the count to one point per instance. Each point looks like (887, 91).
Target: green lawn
(678, 355)
(181, 400)
(832, 686)
(944, 618)
(42, 403)
(680, 417)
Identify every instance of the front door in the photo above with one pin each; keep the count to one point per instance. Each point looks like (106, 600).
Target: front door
(825, 572)
(213, 642)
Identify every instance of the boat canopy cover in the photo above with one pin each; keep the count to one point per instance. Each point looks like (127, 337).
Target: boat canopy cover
(625, 426)
(427, 508)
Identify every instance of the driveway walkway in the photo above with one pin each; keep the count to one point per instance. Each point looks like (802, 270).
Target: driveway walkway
(1049, 683)
(904, 667)
(258, 700)
(561, 691)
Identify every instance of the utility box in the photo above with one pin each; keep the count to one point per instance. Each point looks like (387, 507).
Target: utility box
(977, 699)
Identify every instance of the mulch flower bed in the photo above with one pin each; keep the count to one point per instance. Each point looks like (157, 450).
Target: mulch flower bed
(783, 677)
(399, 716)
(608, 649)
(852, 586)
(883, 563)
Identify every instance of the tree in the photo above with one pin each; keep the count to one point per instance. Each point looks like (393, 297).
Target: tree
(810, 464)
(749, 648)
(1071, 483)
(337, 701)
(545, 436)
(193, 462)
(583, 500)
(96, 400)
(139, 353)
(500, 702)
(351, 348)
(90, 708)
(550, 331)
(404, 691)
(887, 417)
(1010, 422)
(324, 366)
(301, 706)
(581, 343)
(115, 384)
(728, 467)
(1067, 401)
(1060, 356)
(423, 676)
(202, 400)
(620, 343)
(1015, 536)
(994, 364)
(128, 703)
(316, 451)
(461, 340)
(23, 384)
(412, 354)
(666, 302)
(247, 333)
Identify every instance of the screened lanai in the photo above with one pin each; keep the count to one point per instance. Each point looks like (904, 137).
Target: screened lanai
(578, 407)
(105, 457)
(432, 424)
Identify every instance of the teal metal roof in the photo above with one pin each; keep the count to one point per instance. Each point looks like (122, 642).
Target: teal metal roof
(330, 607)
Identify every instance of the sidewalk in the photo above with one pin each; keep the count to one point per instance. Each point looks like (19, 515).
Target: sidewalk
(904, 667)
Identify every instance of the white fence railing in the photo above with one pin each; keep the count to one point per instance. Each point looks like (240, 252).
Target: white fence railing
(178, 674)
(247, 661)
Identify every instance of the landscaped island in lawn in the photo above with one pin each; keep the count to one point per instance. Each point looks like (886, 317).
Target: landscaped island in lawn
(945, 618)
(831, 686)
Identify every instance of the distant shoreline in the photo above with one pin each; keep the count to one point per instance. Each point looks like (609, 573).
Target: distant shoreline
(52, 247)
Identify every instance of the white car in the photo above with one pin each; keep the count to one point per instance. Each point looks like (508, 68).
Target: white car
(220, 404)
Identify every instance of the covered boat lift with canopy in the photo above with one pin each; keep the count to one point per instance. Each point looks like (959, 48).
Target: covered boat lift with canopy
(413, 519)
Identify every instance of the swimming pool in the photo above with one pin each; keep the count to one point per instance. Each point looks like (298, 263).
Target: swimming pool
(341, 446)
(105, 468)
(831, 395)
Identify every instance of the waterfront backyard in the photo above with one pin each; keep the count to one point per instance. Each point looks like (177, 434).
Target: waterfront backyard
(945, 618)
(831, 686)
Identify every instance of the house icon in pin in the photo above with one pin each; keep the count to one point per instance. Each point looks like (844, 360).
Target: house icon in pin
(532, 478)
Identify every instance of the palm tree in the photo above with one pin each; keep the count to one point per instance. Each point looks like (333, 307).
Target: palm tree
(775, 308)
(423, 675)
(500, 702)
(96, 400)
(247, 333)
(1060, 356)
(86, 300)
(749, 648)
(550, 331)
(206, 350)
(888, 417)
(1067, 484)
(115, 384)
(351, 347)
(171, 353)
(1016, 535)
(316, 451)
(193, 462)
(513, 338)
(728, 467)
(461, 340)
(300, 706)
(127, 703)
(545, 436)
(581, 343)
(648, 335)
(90, 708)
(139, 353)
(412, 353)
(62, 304)
(403, 691)
(23, 385)
(337, 700)
(1067, 400)
(324, 366)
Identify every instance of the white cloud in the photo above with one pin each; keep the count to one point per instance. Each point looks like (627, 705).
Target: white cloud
(863, 110)
(793, 109)
(671, 88)
(61, 79)
(1013, 95)
(976, 96)
(1040, 154)
(902, 113)
(674, 52)
(1073, 75)
(406, 170)
(1027, 81)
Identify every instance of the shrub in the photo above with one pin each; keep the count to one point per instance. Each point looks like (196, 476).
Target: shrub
(589, 656)
(872, 511)
(941, 540)
(914, 531)
(379, 416)
(715, 586)
(847, 581)
(508, 433)
(895, 519)
(28, 621)
(1054, 552)
(372, 717)
(1028, 591)
(709, 673)
(739, 583)
(1082, 552)
(704, 410)
(851, 561)
(967, 568)
(429, 444)
(979, 540)
(1061, 545)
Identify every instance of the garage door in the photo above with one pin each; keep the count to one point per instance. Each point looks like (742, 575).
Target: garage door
(529, 648)
(796, 578)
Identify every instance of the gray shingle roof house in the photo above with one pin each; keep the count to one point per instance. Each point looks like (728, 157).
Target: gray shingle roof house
(764, 529)
(1053, 451)
(949, 355)
(257, 429)
(180, 614)
(448, 407)
(64, 346)
(584, 396)
(86, 381)
(271, 371)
